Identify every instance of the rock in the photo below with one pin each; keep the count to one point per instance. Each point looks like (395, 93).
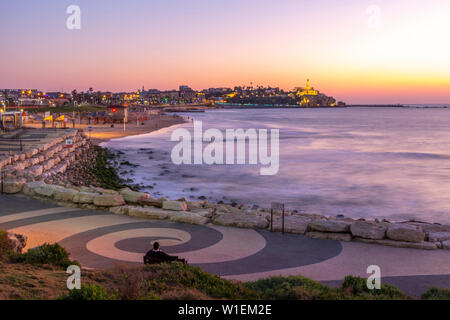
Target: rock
(175, 205)
(151, 202)
(208, 213)
(63, 194)
(241, 220)
(29, 187)
(368, 230)
(87, 190)
(401, 244)
(151, 213)
(330, 236)
(84, 197)
(187, 217)
(123, 210)
(17, 242)
(193, 205)
(446, 245)
(45, 190)
(107, 191)
(330, 225)
(438, 236)
(13, 186)
(292, 224)
(109, 200)
(404, 232)
(133, 196)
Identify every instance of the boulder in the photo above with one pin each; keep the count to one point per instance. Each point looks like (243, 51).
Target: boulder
(368, 230)
(446, 245)
(29, 187)
(17, 242)
(208, 213)
(122, 210)
(241, 220)
(401, 244)
(151, 213)
(63, 194)
(45, 190)
(187, 217)
(330, 236)
(133, 196)
(330, 225)
(84, 197)
(438, 236)
(175, 205)
(194, 205)
(13, 186)
(151, 202)
(404, 232)
(292, 224)
(109, 200)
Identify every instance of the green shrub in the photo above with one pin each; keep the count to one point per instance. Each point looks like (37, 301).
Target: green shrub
(436, 294)
(357, 287)
(52, 254)
(89, 292)
(292, 288)
(177, 276)
(105, 173)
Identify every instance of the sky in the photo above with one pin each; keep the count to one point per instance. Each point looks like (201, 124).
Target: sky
(358, 51)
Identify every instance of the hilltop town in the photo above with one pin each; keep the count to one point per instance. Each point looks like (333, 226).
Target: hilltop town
(238, 96)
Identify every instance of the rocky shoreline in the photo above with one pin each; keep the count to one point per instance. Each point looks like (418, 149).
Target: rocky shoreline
(63, 175)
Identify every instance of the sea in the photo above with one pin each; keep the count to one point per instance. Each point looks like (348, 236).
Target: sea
(360, 162)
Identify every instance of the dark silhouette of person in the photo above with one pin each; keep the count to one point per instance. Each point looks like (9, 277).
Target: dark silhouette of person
(157, 256)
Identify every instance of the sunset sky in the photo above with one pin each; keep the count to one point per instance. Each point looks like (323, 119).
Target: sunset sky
(338, 44)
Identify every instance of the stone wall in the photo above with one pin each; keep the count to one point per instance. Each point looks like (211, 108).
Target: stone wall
(410, 234)
(41, 163)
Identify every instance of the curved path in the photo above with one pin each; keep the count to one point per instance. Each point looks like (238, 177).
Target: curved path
(101, 240)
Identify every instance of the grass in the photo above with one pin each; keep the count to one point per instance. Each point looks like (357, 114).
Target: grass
(105, 173)
(41, 274)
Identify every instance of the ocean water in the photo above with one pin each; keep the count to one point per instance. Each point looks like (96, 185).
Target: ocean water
(389, 163)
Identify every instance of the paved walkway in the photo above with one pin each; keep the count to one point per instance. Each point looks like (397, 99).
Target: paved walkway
(101, 240)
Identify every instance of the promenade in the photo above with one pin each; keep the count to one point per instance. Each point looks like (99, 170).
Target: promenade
(100, 239)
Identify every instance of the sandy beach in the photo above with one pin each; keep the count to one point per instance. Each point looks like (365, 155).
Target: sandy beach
(104, 132)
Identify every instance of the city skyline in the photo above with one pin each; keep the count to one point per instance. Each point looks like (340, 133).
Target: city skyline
(119, 48)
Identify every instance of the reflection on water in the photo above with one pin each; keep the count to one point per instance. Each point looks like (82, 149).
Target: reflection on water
(360, 162)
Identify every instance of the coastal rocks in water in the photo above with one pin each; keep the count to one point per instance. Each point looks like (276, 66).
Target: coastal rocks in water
(329, 236)
(241, 220)
(292, 224)
(404, 232)
(175, 205)
(438, 236)
(17, 242)
(330, 225)
(133, 196)
(188, 217)
(85, 197)
(13, 186)
(63, 194)
(401, 244)
(368, 230)
(151, 213)
(109, 200)
(122, 210)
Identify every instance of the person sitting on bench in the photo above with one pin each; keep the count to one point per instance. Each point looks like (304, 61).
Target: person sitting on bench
(157, 256)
